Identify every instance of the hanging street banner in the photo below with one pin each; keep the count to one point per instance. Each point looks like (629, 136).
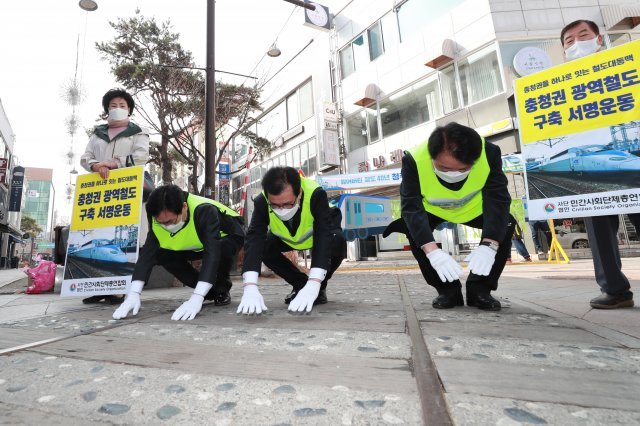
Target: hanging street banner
(580, 133)
(103, 239)
(389, 177)
(511, 163)
(17, 182)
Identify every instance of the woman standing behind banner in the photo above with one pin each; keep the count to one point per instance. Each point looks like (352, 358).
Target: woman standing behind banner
(119, 143)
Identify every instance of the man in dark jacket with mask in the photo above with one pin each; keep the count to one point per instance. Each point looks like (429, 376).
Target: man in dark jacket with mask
(579, 39)
(186, 227)
(292, 213)
(456, 177)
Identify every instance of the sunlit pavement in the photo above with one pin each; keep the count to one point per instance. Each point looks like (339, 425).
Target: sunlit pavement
(546, 357)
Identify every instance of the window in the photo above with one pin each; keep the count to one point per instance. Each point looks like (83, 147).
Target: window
(289, 159)
(376, 47)
(390, 32)
(618, 39)
(414, 14)
(480, 75)
(304, 158)
(410, 107)
(312, 158)
(305, 99)
(372, 124)
(449, 91)
(360, 51)
(274, 123)
(293, 117)
(347, 66)
(356, 129)
(373, 208)
(295, 157)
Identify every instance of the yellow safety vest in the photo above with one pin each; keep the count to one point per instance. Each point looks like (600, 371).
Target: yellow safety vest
(458, 206)
(187, 238)
(303, 239)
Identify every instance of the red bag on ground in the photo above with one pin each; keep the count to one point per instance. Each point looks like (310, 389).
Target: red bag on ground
(42, 277)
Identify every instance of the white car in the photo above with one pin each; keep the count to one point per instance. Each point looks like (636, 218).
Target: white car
(571, 240)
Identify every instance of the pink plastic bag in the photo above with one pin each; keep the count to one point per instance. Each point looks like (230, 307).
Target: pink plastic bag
(42, 277)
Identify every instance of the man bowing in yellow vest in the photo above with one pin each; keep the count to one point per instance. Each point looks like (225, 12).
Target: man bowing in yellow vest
(187, 227)
(456, 177)
(296, 212)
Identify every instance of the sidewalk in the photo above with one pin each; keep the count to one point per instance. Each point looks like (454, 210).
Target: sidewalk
(545, 358)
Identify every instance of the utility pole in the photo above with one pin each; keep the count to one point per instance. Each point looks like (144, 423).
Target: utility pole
(210, 147)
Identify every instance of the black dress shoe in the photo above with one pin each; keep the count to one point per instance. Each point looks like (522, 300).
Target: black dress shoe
(612, 301)
(291, 296)
(485, 302)
(114, 300)
(93, 299)
(448, 300)
(322, 298)
(222, 299)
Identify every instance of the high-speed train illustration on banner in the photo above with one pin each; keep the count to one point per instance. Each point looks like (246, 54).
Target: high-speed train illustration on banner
(100, 249)
(600, 159)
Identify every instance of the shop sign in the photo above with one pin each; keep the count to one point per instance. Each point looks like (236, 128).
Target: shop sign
(3, 170)
(330, 148)
(379, 162)
(15, 200)
(363, 167)
(531, 59)
(396, 155)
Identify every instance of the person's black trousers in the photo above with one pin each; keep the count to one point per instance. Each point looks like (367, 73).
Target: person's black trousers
(475, 284)
(278, 263)
(177, 264)
(603, 240)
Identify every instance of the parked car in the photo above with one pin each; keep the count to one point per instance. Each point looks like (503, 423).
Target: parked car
(571, 240)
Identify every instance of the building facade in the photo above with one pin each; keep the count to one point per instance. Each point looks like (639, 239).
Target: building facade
(396, 69)
(10, 235)
(39, 205)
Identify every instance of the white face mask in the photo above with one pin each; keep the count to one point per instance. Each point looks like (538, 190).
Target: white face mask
(174, 227)
(582, 48)
(286, 214)
(118, 114)
(452, 177)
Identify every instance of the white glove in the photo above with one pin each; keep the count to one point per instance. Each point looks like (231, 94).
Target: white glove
(446, 266)
(481, 260)
(306, 297)
(189, 309)
(132, 302)
(252, 301)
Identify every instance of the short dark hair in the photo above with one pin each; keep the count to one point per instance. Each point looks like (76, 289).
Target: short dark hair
(165, 197)
(276, 178)
(592, 25)
(464, 143)
(117, 93)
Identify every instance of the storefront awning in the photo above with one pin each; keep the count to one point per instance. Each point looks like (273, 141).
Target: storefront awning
(621, 16)
(371, 95)
(8, 229)
(442, 56)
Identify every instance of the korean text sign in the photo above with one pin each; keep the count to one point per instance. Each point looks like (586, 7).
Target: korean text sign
(114, 201)
(579, 130)
(589, 93)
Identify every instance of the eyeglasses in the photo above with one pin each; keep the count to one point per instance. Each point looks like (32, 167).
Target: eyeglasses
(283, 206)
